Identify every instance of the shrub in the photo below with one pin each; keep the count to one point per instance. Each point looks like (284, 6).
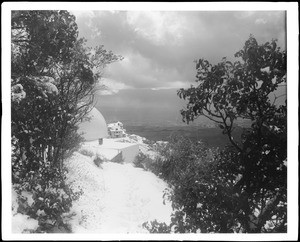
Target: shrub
(177, 157)
(156, 227)
(51, 198)
(202, 192)
(86, 152)
(205, 196)
(149, 142)
(143, 161)
(98, 161)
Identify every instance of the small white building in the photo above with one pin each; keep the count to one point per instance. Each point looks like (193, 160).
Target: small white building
(96, 133)
(116, 130)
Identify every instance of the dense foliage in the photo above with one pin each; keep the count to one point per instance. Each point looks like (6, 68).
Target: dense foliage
(244, 187)
(54, 77)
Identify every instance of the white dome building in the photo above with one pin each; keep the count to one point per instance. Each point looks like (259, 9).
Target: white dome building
(95, 132)
(95, 128)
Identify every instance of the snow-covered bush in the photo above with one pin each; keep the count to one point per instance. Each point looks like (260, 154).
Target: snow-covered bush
(17, 93)
(157, 227)
(98, 161)
(142, 161)
(174, 156)
(205, 193)
(22, 223)
(86, 152)
(43, 195)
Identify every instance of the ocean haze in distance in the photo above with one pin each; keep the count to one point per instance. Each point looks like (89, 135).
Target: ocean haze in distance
(142, 107)
(154, 107)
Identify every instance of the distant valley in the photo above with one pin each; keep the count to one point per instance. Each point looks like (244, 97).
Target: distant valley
(155, 115)
(212, 137)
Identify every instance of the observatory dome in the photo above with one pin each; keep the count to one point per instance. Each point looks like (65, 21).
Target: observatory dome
(95, 128)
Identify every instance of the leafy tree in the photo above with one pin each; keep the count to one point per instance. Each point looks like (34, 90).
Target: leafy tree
(229, 91)
(39, 38)
(244, 187)
(54, 77)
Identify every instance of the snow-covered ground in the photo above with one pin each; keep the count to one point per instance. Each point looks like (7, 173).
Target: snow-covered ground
(20, 221)
(117, 198)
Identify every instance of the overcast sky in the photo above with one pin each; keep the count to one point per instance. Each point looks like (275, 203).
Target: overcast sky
(159, 47)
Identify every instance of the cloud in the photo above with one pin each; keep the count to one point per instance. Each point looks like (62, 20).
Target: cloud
(160, 28)
(243, 14)
(260, 21)
(159, 47)
(109, 86)
(137, 71)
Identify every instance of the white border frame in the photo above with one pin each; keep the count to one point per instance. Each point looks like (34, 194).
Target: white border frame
(292, 89)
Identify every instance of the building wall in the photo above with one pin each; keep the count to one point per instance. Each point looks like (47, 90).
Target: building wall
(111, 150)
(129, 153)
(116, 133)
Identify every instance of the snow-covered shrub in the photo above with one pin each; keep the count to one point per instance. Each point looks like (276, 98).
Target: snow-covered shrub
(86, 152)
(98, 161)
(23, 224)
(143, 161)
(42, 137)
(157, 227)
(186, 165)
(205, 194)
(43, 196)
(174, 156)
(149, 142)
(17, 93)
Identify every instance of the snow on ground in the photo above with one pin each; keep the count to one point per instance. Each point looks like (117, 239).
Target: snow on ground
(133, 196)
(21, 222)
(84, 174)
(117, 198)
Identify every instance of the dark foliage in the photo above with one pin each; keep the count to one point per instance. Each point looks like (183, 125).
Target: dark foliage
(244, 187)
(54, 77)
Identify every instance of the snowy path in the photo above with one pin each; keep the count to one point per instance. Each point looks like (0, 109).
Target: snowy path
(117, 198)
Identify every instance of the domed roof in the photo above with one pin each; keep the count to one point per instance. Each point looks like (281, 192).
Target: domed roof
(95, 128)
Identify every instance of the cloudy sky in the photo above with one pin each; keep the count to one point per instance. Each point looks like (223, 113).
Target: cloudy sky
(159, 47)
